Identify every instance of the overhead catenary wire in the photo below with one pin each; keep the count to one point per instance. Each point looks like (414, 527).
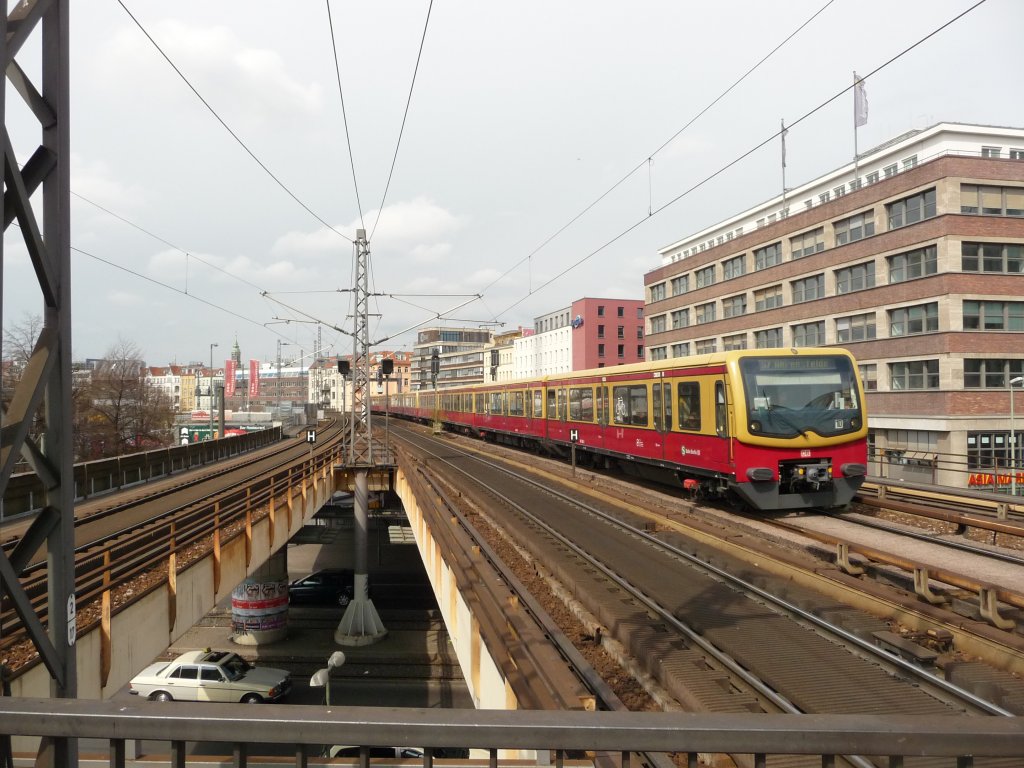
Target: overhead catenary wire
(739, 159)
(647, 160)
(405, 116)
(226, 127)
(147, 278)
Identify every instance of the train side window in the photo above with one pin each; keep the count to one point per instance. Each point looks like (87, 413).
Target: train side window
(497, 406)
(581, 404)
(630, 405)
(689, 405)
(538, 403)
(563, 397)
(515, 403)
(721, 426)
(602, 406)
(552, 404)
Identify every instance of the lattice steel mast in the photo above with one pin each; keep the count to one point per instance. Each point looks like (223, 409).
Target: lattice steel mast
(46, 380)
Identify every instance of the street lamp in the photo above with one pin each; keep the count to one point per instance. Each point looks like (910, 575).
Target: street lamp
(322, 677)
(1013, 439)
(212, 345)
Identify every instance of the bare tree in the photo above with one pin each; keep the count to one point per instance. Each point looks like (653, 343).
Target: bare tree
(124, 413)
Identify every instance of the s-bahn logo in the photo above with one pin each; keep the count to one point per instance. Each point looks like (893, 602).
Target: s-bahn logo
(689, 451)
(577, 321)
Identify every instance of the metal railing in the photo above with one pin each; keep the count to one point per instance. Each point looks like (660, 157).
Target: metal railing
(563, 734)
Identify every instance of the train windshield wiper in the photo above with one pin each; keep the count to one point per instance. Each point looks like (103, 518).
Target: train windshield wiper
(776, 410)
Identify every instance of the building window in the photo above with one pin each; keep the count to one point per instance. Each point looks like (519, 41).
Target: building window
(658, 353)
(855, 184)
(680, 284)
(855, 278)
(869, 376)
(768, 338)
(734, 267)
(658, 324)
(854, 228)
(680, 350)
(704, 346)
(993, 315)
(910, 162)
(737, 341)
(640, 351)
(855, 328)
(890, 170)
(911, 210)
(706, 276)
(871, 178)
(808, 289)
(915, 374)
(600, 307)
(1017, 154)
(705, 313)
(824, 197)
(620, 311)
(600, 350)
(734, 306)
(680, 318)
(991, 151)
(657, 294)
(991, 374)
(1006, 258)
(639, 332)
(912, 265)
(809, 334)
(987, 450)
(621, 351)
(620, 332)
(807, 243)
(768, 298)
(992, 201)
(600, 331)
(639, 313)
(910, 321)
(768, 256)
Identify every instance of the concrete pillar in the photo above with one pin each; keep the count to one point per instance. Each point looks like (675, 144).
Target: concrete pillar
(259, 605)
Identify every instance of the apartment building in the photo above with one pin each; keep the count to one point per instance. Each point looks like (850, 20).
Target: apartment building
(913, 259)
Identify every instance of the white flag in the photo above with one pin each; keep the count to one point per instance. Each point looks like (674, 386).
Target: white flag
(860, 102)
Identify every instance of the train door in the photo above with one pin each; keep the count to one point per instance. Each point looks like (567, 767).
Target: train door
(722, 418)
(601, 412)
(661, 410)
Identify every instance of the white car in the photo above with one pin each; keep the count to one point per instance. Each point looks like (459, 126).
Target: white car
(211, 676)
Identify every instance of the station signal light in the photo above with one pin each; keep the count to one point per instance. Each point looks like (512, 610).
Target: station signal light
(344, 367)
(388, 366)
(380, 376)
(435, 364)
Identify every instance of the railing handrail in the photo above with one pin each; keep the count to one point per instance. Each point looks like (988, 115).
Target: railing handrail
(883, 734)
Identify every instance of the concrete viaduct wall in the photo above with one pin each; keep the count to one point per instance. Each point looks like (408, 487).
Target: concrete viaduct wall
(144, 629)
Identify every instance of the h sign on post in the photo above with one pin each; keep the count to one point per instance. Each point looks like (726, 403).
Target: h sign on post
(310, 436)
(574, 435)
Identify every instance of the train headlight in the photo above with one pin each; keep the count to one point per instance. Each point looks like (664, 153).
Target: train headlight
(755, 426)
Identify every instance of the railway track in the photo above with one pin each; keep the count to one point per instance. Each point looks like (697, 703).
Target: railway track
(657, 588)
(124, 550)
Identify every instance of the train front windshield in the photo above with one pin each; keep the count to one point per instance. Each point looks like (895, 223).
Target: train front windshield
(789, 396)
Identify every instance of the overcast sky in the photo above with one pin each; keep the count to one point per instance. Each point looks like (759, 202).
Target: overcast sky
(522, 115)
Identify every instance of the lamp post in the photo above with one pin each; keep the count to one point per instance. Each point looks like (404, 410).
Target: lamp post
(212, 345)
(1013, 438)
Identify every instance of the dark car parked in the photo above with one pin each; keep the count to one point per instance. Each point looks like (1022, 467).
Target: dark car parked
(330, 586)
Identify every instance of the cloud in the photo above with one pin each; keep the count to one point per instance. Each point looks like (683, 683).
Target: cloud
(125, 299)
(238, 81)
(418, 227)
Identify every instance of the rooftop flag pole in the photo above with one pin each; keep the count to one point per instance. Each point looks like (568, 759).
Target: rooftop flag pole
(860, 117)
(783, 134)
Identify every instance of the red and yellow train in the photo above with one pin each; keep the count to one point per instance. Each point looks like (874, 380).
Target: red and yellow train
(776, 429)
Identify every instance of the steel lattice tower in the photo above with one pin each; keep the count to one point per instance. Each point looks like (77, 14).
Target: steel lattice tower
(46, 380)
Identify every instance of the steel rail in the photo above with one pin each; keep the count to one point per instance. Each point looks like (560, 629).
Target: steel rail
(870, 649)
